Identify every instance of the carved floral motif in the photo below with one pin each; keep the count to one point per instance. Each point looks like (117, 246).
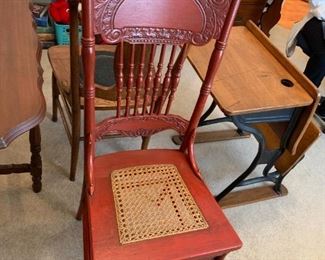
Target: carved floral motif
(113, 125)
(153, 35)
(213, 15)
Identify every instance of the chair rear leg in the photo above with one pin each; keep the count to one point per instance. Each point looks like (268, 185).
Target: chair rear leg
(55, 99)
(75, 142)
(146, 139)
(145, 142)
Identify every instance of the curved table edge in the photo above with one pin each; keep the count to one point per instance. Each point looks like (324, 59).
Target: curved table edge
(23, 127)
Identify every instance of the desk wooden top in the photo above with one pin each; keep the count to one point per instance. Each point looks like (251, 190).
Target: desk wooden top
(22, 104)
(249, 77)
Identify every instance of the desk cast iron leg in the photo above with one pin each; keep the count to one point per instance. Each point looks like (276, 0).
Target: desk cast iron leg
(228, 134)
(204, 121)
(213, 136)
(36, 161)
(261, 147)
(277, 177)
(264, 155)
(208, 112)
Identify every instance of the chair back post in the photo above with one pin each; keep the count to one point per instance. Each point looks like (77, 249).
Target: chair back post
(213, 66)
(74, 56)
(88, 55)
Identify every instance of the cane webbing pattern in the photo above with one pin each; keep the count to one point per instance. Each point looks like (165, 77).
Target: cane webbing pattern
(153, 201)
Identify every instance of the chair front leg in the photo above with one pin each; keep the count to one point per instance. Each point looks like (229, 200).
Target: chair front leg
(82, 200)
(55, 98)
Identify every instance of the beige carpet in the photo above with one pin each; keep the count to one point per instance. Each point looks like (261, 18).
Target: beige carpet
(42, 226)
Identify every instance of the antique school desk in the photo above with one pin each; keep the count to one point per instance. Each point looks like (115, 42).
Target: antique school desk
(22, 105)
(263, 94)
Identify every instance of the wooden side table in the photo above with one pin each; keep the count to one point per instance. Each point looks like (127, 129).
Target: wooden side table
(22, 104)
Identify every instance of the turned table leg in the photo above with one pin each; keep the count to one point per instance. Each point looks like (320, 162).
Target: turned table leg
(36, 161)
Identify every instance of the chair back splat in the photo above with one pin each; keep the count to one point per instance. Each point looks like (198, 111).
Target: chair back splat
(153, 39)
(151, 31)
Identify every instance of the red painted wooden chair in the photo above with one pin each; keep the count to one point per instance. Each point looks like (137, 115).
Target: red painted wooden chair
(151, 204)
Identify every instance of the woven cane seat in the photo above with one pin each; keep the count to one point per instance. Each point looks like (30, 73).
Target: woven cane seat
(138, 197)
(153, 201)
